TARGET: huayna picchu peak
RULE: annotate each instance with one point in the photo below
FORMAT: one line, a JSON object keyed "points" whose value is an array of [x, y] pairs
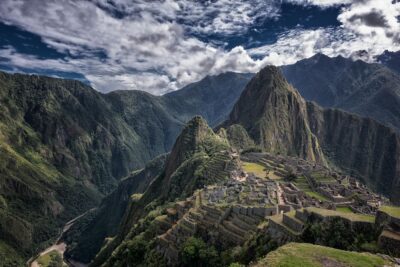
{"points": [[215, 133], [275, 116]]}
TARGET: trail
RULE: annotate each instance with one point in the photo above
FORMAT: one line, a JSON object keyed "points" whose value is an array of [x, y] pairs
{"points": [[60, 246]]}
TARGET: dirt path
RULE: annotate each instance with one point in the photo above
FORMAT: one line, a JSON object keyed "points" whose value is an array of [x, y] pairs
{"points": [[61, 246]]}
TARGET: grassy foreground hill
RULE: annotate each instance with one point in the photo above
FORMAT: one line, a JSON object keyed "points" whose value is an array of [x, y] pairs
{"points": [[308, 255]]}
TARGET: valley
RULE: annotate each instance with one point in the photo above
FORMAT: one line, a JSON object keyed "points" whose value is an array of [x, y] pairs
{"points": [[158, 180], [217, 133]]}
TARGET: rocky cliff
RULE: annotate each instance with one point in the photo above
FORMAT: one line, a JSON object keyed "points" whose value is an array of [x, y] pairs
{"points": [[275, 116]]}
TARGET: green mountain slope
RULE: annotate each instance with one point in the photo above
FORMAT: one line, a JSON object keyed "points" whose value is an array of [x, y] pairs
{"points": [[64, 145], [199, 157], [275, 116], [369, 90], [86, 237]]}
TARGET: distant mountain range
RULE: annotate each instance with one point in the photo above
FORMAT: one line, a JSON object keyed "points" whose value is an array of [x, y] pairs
{"points": [[369, 90]]}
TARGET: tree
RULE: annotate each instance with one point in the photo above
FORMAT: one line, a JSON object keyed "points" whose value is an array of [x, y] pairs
{"points": [[195, 252]]}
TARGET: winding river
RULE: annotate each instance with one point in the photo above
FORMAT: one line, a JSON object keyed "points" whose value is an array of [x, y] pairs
{"points": [[59, 246]]}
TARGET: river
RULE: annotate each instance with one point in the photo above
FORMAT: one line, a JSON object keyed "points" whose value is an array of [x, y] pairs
{"points": [[59, 246]]}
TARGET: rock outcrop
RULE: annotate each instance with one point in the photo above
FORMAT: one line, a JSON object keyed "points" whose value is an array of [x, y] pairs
{"points": [[275, 116]]}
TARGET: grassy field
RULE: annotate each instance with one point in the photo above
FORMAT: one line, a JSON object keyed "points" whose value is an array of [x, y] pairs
{"points": [[321, 177], [344, 209], [347, 215], [316, 195], [302, 184], [53, 258], [308, 255], [392, 211], [256, 168]]}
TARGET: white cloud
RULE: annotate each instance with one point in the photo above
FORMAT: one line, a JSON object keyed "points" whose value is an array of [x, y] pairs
{"points": [[144, 40], [147, 46]]}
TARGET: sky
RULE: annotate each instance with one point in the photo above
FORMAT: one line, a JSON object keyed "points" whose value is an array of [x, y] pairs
{"points": [[162, 45]]}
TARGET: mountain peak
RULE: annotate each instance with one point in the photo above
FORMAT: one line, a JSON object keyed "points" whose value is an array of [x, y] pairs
{"points": [[196, 137], [274, 115]]}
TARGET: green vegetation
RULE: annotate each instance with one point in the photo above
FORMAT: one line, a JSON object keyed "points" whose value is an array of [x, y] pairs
{"points": [[347, 215], [290, 177], [302, 183], [308, 255], [391, 210], [10, 257], [316, 195], [195, 252], [344, 209], [256, 168], [51, 259], [239, 138], [339, 233]]}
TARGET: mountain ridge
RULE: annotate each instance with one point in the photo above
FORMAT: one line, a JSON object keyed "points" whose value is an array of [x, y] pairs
{"points": [[365, 89]]}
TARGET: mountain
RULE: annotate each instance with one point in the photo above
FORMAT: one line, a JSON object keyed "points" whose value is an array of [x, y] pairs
{"points": [[390, 60], [86, 237], [65, 145], [275, 116], [212, 98], [278, 119], [199, 157], [369, 90]]}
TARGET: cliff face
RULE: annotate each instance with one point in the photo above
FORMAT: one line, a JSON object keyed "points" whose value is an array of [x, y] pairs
{"points": [[279, 120], [360, 145], [275, 116], [86, 237], [369, 90]]}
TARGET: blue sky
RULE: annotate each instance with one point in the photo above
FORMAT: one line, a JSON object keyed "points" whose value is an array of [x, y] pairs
{"points": [[162, 45]]}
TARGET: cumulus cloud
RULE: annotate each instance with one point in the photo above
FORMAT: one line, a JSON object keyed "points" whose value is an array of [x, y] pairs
{"points": [[157, 45], [144, 48], [368, 29]]}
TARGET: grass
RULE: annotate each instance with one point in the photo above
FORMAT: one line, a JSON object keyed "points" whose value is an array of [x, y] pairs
{"points": [[391, 210], [308, 255], [347, 215], [317, 195], [344, 209], [321, 177], [50, 258], [302, 183], [256, 168]]}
